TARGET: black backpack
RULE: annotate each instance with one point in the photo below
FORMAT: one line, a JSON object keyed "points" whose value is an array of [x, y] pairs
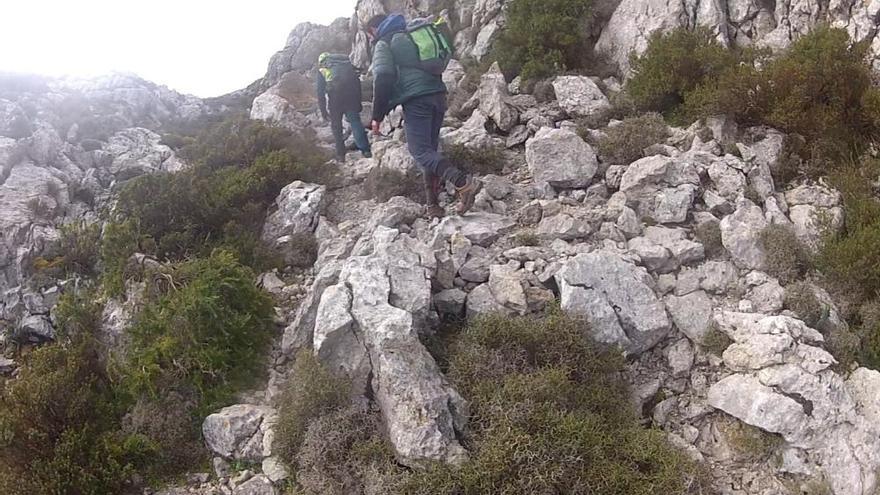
{"points": [[337, 71]]}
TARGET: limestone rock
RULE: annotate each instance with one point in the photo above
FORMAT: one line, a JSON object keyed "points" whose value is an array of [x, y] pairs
{"points": [[298, 206], [258, 485], [692, 314], [615, 297], [579, 96], [561, 158], [741, 236], [493, 97], [661, 188], [235, 431]]}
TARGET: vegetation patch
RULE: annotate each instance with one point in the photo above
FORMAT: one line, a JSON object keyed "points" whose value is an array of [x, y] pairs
{"points": [[544, 37], [383, 184], [787, 258], [625, 142], [479, 161], [709, 235]]}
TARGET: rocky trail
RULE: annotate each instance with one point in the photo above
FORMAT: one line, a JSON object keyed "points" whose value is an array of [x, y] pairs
{"points": [[710, 346]]}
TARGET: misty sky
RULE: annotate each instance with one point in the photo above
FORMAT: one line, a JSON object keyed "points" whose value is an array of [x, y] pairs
{"points": [[201, 47]]}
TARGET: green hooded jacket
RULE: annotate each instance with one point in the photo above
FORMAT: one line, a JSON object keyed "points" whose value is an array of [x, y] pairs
{"points": [[396, 76]]}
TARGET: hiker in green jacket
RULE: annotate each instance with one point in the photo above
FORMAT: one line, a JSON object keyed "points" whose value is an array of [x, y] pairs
{"points": [[403, 75], [337, 80]]}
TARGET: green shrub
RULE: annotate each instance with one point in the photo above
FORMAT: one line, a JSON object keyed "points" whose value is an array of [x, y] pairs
{"points": [[709, 235], [383, 184], [57, 423], [80, 248], [549, 414], [339, 450], [238, 141], [715, 340], [673, 66], [543, 37], [479, 161], [625, 142], [787, 258], [190, 213], [204, 335], [312, 392], [527, 238], [750, 442], [801, 299]]}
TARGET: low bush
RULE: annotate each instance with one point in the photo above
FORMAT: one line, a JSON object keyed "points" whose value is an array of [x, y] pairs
{"points": [[625, 142], [750, 442], [80, 248], [787, 258], [57, 425], [544, 37], [479, 161], [203, 336], [673, 66], [549, 414], [312, 392], [709, 235], [800, 298], [383, 184]]}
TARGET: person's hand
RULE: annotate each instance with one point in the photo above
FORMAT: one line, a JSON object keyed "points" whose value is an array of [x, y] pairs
{"points": [[375, 126]]}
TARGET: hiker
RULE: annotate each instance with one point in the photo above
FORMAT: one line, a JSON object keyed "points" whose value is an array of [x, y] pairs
{"points": [[338, 81], [408, 63]]}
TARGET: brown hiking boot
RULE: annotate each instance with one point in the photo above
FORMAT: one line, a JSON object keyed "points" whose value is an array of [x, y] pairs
{"points": [[467, 194]]}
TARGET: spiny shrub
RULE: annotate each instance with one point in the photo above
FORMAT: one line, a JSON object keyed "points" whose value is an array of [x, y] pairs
{"points": [[238, 141], [787, 258], [709, 235], [849, 260], [543, 37], [480, 161], [191, 212], [80, 248], [313, 392], [801, 299], [625, 142], [340, 450], [673, 66], [57, 425], [549, 414], [383, 184], [203, 336]]}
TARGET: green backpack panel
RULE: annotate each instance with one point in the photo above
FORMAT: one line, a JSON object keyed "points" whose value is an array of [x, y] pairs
{"points": [[433, 44]]}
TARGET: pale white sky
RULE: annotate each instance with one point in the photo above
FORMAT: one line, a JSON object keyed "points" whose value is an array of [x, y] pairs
{"points": [[201, 47]]}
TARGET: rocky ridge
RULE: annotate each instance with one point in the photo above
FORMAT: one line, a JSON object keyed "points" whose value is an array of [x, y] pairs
{"points": [[617, 244]]}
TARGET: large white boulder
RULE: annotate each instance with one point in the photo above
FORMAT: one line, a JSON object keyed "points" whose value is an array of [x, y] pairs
{"points": [[562, 158]]}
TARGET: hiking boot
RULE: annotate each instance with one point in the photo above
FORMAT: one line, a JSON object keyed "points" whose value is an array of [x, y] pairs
{"points": [[340, 158], [436, 211], [467, 194], [367, 154]]}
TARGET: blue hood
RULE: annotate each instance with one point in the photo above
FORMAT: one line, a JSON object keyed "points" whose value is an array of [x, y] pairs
{"points": [[395, 23]]}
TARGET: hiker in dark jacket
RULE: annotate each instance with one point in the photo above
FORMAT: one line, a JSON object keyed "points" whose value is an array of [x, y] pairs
{"points": [[338, 81], [400, 80]]}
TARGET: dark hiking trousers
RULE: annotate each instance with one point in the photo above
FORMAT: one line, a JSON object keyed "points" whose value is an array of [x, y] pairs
{"points": [[423, 117], [357, 131]]}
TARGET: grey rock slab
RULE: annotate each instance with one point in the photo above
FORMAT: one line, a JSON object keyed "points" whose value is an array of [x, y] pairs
{"points": [[479, 228], [562, 158], [741, 236], [579, 96], [692, 314], [298, 208], [615, 296]]}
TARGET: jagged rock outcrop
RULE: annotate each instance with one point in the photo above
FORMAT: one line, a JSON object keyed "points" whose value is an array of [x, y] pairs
{"points": [[783, 383], [734, 22], [367, 327], [304, 44]]}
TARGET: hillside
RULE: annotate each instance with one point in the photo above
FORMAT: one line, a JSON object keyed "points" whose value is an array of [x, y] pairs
{"points": [[669, 283]]}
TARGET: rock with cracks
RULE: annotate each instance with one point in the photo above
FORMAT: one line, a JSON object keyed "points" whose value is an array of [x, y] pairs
{"points": [[367, 326], [615, 297]]}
